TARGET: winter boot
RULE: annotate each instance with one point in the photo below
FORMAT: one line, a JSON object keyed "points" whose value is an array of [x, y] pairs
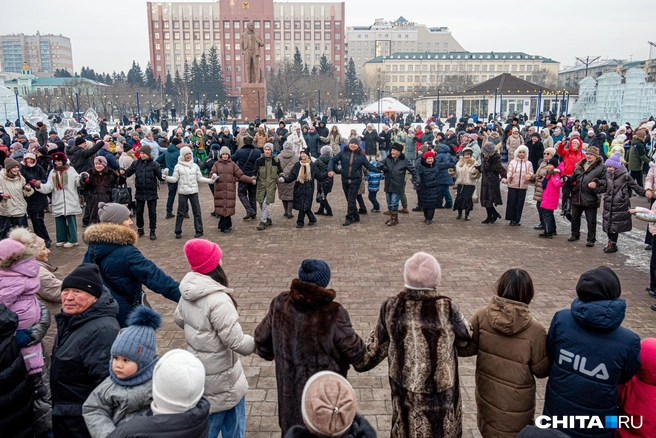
{"points": [[404, 210], [394, 219], [140, 232], [153, 236], [268, 222], [261, 226]]}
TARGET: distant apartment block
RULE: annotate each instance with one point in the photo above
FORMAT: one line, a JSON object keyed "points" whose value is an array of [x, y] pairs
{"points": [[44, 53]]}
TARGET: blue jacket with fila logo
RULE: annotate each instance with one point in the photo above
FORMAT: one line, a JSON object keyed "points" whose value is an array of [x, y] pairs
{"points": [[592, 354]]}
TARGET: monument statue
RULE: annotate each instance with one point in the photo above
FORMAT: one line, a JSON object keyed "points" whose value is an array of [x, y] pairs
{"points": [[250, 47]]}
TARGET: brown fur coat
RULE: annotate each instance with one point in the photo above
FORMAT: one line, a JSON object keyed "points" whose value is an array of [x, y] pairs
{"points": [[305, 331], [418, 331]]}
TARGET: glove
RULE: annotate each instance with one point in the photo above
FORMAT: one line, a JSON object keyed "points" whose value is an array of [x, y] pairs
{"points": [[32, 182], [23, 337]]}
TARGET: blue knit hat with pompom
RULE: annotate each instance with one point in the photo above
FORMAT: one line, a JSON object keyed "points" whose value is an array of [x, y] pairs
{"points": [[137, 342], [314, 271]]}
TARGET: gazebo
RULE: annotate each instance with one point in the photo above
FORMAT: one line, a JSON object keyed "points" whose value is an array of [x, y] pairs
{"points": [[502, 95]]}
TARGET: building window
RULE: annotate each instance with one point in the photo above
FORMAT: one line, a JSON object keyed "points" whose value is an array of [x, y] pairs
{"points": [[276, 25], [307, 57], [238, 78], [155, 24], [158, 57], [167, 57], [477, 68], [228, 67], [196, 46], [185, 25], [237, 35], [297, 24], [188, 58], [166, 25], [267, 35], [308, 35], [237, 57], [206, 35], [217, 24], [288, 35], [206, 24], [227, 47], [236, 25], [317, 35], [317, 57], [484, 68], [317, 47], [529, 68], [256, 24], [157, 46], [326, 24], [297, 35], [158, 68], [267, 57], [288, 25], [226, 36], [186, 35], [276, 35], [267, 24], [307, 25], [196, 35], [337, 68], [238, 68], [338, 25], [227, 57], [178, 58], [228, 78], [167, 46], [317, 24], [156, 35], [177, 46], [514, 68], [237, 46], [267, 46], [217, 36], [326, 35], [176, 35], [226, 24], [167, 36], [410, 78], [338, 36], [176, 25]]}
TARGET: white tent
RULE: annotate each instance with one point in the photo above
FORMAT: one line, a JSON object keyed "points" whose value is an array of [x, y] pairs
{"points": [[386, 105]]}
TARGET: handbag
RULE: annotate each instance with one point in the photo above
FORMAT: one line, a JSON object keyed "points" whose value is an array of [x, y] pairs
{"points": [[121, 194], [321, 196], [475, 196]]}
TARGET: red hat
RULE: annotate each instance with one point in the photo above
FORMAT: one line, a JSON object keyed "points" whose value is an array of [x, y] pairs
{"points": [[429, 154], [59, 156], [203, 256]]}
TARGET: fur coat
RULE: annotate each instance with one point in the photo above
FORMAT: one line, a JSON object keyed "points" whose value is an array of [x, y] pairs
{"points": [[305, 331], [418, 331]]}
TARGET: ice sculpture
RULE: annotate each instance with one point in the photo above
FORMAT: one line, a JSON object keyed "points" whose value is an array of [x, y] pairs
{"points": [[91, 121], [68, 126], [35, 115], [609, 99], [8, 105]]}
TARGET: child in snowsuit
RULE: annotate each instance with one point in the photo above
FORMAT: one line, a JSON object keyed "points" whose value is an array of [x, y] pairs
{"points": [[127, 392], [550, 196], [373, 186]]}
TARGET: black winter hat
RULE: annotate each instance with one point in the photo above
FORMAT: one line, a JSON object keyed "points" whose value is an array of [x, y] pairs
{"points": [[79, 141], [397, 146], [85, 277], [553, 162], [598, 284], [176, 141]]}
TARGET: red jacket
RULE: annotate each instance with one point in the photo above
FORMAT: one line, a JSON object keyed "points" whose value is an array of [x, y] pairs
{"points": [[638, 396], [570, 156]]}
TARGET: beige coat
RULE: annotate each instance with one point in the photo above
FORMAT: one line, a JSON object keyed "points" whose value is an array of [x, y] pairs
{"points": [[466, 172], [16, 206], [211, 326], [512, 143], [335, 141], [537, 178]]}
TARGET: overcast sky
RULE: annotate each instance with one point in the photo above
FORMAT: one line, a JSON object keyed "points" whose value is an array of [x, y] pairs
{"points": [[108, 34]]}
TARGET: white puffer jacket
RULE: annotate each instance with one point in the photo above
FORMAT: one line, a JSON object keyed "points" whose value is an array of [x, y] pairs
{"points": [[187, 174], [65, 202], [211, 325]]}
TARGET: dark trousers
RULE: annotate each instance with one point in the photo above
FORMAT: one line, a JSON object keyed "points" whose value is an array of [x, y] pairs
{"points": [[324, 206], [648, 236], [492, 212], [637, 176], [287, 205], [351, 193], [613, 237], [373, 200], [361, 203], [86, 217], [152, 213], [38, 223], [549, 221], [446, 195], [652, 269], [183, 207], [173, 190], [429, 213], [247, 193], [590, 218], [515, 206], [225, 222], [537, 205], [9, 222], [566, 200], [301, 217]]}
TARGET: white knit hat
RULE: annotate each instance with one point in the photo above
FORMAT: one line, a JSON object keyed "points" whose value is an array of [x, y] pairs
{"points": [[521, 148], [178, 382]]}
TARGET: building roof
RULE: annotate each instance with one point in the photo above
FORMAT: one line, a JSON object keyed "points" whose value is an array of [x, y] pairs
{"points": [[462, 56], [632, 64], [401, 19], [55, 82], [506, 84], [596, 64]]}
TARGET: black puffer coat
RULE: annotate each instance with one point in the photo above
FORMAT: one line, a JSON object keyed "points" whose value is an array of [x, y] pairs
{"points": [[351, 170], [394, 170], [190, 424], [582, 195], [15, 389], [304, 193], [80, 158], [370, 141], [617, 203], [146, 174], [360, 428], [38, 201], [429, 185], [80, 361], [385, 141], [327, 184], [491, 173], [100, 187]]}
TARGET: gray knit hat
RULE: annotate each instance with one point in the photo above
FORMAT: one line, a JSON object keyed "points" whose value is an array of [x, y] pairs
{"points": [[326, 150], [112, 213], [224, 150], [488, 148]]}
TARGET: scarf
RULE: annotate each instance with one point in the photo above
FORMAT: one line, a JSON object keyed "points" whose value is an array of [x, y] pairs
{"points": [[305, 175], [61, 177]]}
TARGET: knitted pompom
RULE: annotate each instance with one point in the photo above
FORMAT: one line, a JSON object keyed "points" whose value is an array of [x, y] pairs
{"points": [[145, 316]]}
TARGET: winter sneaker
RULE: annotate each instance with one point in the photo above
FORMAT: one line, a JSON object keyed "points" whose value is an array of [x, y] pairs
{"points": [[417, 208], [648, 248], [428, 221], [197, 235], [70, 244], [178, 236], [611, 248], [589, 244], [546, 235], [140, 232], [653, 307], [459, 215], [539, 227], [362, 211], [299, 225], [153, 236], [652, 292], [404, 210], [268, 222], [261, 226], [375, 210], [467, 217], [319, 212], [311, 223], [573, 238], [170, 215], [59, 244]]}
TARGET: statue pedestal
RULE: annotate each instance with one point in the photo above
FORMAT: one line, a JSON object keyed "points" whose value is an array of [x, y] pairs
{"points": [[253, 101]]}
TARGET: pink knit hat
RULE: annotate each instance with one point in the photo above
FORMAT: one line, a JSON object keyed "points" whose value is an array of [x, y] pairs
{"points": [[422, 271], [203, 256]]}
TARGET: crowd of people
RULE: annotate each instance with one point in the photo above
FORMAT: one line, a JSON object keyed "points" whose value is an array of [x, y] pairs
{"points": [[105, 378]]}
